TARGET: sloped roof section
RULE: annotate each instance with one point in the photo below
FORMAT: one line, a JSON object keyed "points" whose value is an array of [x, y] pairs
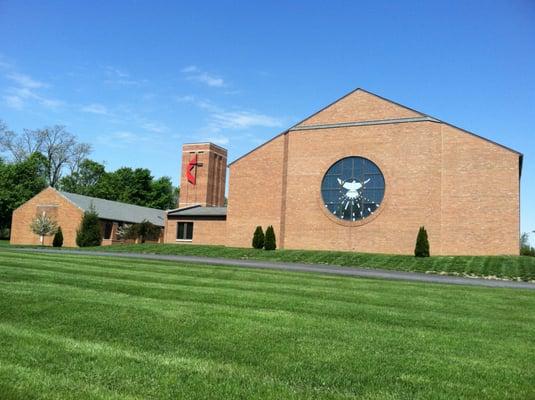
{"points": [[117, 211], [199, 211], [357, 106], [360, 108]]}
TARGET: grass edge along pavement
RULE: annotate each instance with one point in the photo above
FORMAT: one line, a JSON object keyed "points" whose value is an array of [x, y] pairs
{"points": [[112, 328], [498, 267], [519, 268]]}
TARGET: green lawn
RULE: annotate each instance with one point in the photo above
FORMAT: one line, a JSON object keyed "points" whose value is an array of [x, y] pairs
{"points": [[511, 267], [74, 327]]}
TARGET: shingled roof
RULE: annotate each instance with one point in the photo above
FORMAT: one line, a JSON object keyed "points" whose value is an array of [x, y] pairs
{"points": [[115, 210]]}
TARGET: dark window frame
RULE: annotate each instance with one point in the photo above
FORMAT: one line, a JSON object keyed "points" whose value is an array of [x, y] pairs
{"points": [[184, 231]]}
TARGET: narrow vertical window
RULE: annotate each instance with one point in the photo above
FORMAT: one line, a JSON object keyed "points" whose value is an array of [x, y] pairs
{"points": [[107, 230]]}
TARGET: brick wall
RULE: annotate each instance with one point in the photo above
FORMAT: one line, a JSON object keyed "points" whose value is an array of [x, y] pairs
{"points": [[204, 231], [480, 196], [255, 192], [67, 215], [409, 158]]}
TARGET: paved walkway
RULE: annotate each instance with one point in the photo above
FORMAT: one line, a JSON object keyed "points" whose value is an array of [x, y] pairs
{"points": [[317, 268]]}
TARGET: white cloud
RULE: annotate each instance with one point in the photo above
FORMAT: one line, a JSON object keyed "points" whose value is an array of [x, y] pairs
{"points": [[155, 127], [116, 72], [244, 120], [190, 68], [209, 80], [217, 139], [14, 101], [219, 119], [117, 76], [185, 99], [120, 138], [125, 136], [25, 81], [193, 73], [95, 108], [17, 97]]}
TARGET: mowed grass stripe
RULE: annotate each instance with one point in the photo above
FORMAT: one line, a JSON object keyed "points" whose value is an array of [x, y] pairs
{"points": [[413, 302], [259, 278], [233, 337], [364, 312], [410, 302]]}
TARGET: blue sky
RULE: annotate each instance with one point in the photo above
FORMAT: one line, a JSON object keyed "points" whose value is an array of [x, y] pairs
{"points": [[137, 79]]}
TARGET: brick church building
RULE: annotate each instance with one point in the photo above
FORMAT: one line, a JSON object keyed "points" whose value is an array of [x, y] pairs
{"points": [[362, 174]]}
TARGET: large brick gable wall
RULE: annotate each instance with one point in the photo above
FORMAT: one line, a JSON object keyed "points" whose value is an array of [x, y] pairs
{"points": [[463, 188]]}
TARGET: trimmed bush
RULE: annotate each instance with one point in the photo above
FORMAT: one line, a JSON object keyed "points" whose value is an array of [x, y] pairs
{"points": [[270, 242], [89, 233], [258, 238], [422, 243], [58, 238]]}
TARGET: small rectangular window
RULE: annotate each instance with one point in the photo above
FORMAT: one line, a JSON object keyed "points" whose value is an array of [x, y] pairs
{"points": [[184, 231]]}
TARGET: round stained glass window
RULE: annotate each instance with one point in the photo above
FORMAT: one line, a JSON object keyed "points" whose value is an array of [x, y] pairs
{"points": [[353, 188]]}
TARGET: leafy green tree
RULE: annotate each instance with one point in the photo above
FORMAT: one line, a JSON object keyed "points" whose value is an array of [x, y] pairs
{"points": [[58, 238], [89, 233], [270, 242], [43, 225], [422, 243], [127, 185], [19, 182], [85, 179], [258, 238], [162, 194]]}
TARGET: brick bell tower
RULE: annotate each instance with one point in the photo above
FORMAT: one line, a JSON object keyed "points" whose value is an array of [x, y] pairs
{"points": [[203, 176]]}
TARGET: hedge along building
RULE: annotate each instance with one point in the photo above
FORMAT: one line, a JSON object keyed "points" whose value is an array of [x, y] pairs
{"points": [[362, 174], [67, 210]]}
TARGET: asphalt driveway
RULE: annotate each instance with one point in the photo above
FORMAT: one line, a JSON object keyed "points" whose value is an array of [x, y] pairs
{"points": [[313, 268]]}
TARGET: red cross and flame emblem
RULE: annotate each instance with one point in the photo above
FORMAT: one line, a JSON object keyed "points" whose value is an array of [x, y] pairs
{"points": [[192, 165]]}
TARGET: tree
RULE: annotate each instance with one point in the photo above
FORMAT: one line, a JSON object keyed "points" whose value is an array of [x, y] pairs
{"points": [[132, 186], [85, 179], [422, 243], [58, 238], [162, 194], [89, 233], [43, 225], [258, 238], [142, 231], [19, 182], [525, 248], [60, 148], [270, 242]]}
